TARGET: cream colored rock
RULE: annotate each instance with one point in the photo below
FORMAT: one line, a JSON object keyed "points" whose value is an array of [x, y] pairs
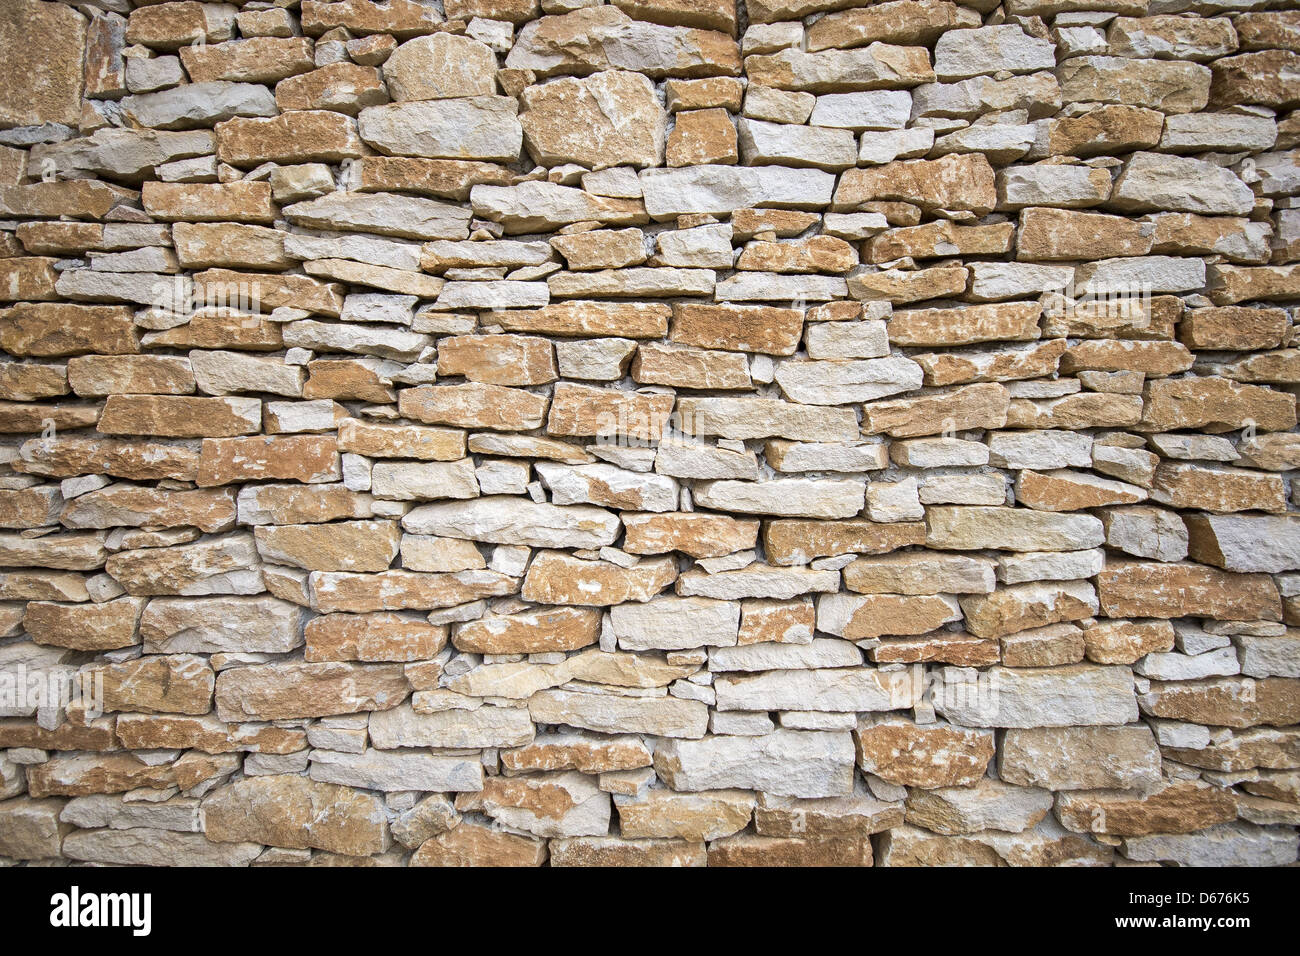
{"points": [[502, 519], [1080, 758], [1072, 695], [564, 804], [668, 717], [923, 756], [440, 66], [849, 689], [673, 623], [607, 119], [297, 813], [664, 814], [806, 764], [798, 497]]}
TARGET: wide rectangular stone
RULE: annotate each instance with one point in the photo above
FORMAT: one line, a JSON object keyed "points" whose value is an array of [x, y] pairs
{"points": [[1080, 758], [288, 691], [397, 770], [1226, 701], [1166, 590], [1010, 529], [1072, 695], [669, 717], [720, 189], [805, 764], [800, 542], [840, 689]]}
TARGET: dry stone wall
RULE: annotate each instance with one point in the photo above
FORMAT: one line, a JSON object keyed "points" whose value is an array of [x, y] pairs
{"points": [[655, 432]]}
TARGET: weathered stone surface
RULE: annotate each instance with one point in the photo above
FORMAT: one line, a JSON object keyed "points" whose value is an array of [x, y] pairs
{"points": [[230, 624], [1124, 642], [77, 775], [473, 127], [296, 812], [879, 65], [1216, 405], [1155, 181], [57, 329], [1171, 87], [1253, 543], [720, 189], [911, 23], [294, 690], [380, 770], [86, 627], [756, 580], [755, 328], [532, 206], [675, 624], [1109, 128], [148, 846], [699, 535], [511, 521], [584, 411], [844, 382], [474, 405], [1226, 701], [785, 496], [663, 814], [29, 829], [587, 753], [549, 805], [226, 565], [1016, 321], [440, 66], [858, 813], [805, 764], [702, 137], [1141, 589], [749, 851], [532, 632], [923, 756], [471, 844], [1075, 694], [742, 418], [607, 119], [485, 727], [1263, 77], [819, 689], [975, 406], [628, 401], [1230, 844], [990, 805], [167, 683], [668, 717], [555, 577], [46, 82], [952, 182], [1178, 807], [402, 590], [371, 638], [799, 542], [607, 38], [1080, 758], [876, 615], [973, 528], [920, 573], [294, 137]]}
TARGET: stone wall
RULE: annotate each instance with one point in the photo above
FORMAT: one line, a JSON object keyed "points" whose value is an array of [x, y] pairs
{"points": [[663, 431]]}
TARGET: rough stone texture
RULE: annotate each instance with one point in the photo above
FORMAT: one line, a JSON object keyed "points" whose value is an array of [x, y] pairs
{"points": [[655, 432]]}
